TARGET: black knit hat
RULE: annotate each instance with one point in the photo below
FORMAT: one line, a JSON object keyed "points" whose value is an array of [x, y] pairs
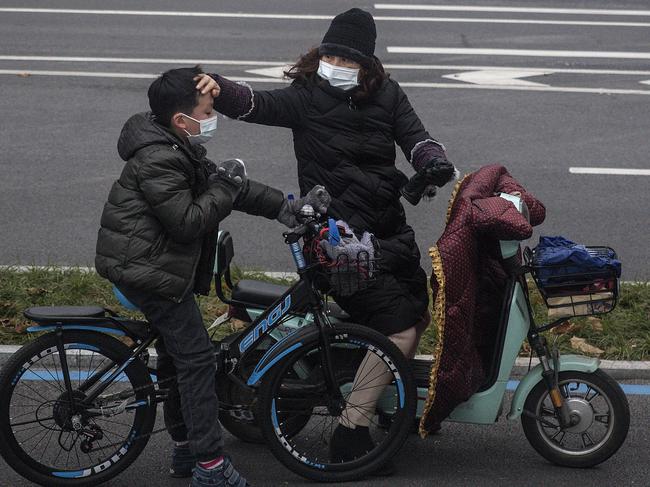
{"points": [[352, 35]]}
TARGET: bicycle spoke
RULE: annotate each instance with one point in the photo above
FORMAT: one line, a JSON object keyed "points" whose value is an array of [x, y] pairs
{"points": [[37, 420]]}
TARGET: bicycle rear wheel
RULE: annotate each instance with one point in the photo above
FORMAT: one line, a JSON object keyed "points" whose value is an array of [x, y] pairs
{"points": [[55, 441], [298, 415]]}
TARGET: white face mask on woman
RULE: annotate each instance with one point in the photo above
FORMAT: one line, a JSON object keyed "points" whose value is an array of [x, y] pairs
{"points": [[208, 129], [344, 78]]}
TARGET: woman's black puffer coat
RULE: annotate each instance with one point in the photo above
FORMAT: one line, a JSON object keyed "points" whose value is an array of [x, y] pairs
{"points": [[350, 149]]}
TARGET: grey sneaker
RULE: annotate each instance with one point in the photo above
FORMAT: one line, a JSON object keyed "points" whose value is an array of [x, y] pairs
{"points": [[224, 475], [183, 462]]}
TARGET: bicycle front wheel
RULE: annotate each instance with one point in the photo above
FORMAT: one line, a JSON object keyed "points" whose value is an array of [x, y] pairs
{"points": [[53, 439], [375, 389]]}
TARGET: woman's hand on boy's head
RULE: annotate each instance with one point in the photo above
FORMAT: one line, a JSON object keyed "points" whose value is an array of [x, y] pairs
{"points": [[207, 85]]}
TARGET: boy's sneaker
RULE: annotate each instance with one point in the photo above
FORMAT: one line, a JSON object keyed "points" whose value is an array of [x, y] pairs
{"points": [[224, 475], [183, 462]]}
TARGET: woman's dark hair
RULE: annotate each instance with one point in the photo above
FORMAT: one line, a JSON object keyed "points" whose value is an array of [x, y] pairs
{"points": [[172, 92], [370, 76]]}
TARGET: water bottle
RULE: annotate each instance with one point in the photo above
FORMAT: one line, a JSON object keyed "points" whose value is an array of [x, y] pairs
{"points": [[298, 258], [296, 251]]}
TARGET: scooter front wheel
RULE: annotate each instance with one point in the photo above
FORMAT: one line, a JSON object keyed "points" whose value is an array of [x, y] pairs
{"points": [[600, 415]]}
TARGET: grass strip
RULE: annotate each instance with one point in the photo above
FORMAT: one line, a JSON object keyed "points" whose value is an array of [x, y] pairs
{"points": [[623, 334]]}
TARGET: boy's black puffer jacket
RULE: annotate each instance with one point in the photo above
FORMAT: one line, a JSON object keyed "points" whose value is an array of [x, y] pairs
{"points": [[159, 226]]}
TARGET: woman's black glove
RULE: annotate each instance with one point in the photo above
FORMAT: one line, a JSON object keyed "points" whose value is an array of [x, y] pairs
{"points": [[438, 171], [435, 173]]}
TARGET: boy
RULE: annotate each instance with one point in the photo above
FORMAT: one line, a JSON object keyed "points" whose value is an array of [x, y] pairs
{"points": [[157, 244]]}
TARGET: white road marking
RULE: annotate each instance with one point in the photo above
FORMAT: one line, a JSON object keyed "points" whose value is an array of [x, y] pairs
{"points": [[646, 82], [247, 62], [84, 59], [164, 13], [242, 15], [95, 74], [614, 171], [408, 84], [498, 77], [519, 52], [275, 72], [535, 10], [555, 89]]}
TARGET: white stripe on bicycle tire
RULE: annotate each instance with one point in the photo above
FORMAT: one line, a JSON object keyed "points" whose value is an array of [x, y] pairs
{"points": [[519, 52], [253, 15], [532, 10], [611, 171]]}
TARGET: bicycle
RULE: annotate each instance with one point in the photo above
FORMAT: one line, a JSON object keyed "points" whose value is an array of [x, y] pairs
{"points": [[79, 405]]}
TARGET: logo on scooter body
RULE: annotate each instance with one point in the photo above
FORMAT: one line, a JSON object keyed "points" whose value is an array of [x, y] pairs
{"points": [[268, 323]]}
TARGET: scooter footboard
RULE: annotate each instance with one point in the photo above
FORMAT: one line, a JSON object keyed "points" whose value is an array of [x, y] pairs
{"points": [[567, 362]]}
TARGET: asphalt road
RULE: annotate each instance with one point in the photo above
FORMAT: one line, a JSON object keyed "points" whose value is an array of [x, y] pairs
{"points": [[84, 74], [461, 455]]}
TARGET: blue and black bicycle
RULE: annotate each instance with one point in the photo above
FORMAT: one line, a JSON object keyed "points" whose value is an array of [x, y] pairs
{"points": [[79, 405]]}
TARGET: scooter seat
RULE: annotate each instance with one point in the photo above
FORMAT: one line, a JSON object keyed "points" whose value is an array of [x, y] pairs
{"points": [[53, 314], [258, 293]]}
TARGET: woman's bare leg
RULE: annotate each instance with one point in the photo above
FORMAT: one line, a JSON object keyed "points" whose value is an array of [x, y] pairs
{"points": [[373, 375]]}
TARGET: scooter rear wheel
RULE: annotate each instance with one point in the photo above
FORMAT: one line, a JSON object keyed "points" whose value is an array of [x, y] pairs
{"points": [[600, 409]]}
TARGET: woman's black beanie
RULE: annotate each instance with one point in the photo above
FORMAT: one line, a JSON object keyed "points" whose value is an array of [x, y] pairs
{"points": [[352, 35]]}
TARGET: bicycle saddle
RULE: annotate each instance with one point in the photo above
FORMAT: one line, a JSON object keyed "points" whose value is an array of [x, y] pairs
{"points": [[259, 293], [49, 314]]}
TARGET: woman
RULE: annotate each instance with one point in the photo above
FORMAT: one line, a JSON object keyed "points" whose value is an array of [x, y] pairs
{"points": [[346, 115]]}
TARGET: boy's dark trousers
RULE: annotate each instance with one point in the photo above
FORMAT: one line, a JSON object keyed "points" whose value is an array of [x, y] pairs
{"points": [[186, 366]]}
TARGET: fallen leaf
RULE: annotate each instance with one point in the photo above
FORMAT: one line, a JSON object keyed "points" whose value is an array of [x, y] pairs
{"points": [[21, 327], [595, 323], [236, 325], [581, 345], [24, 75], [566, 327], [36, 291]]}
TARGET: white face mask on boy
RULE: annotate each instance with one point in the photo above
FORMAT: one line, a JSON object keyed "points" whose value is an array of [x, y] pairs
{"points": [[208, 129], [344, 78]]}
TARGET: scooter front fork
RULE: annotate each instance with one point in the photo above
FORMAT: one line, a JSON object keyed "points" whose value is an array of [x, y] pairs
{"points": [[549, 375]]}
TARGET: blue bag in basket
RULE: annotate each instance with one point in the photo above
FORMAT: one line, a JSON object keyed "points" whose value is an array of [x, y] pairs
{"points": [[562, 256]]}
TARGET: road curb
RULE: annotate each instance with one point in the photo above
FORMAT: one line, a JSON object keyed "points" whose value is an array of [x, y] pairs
{"points": [[618, 369]]}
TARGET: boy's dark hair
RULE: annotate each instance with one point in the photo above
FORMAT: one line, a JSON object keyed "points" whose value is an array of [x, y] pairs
{"points": [[172, 92]]}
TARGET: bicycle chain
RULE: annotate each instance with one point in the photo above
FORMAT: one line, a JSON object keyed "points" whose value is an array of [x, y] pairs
{"points": [[159, 430]]}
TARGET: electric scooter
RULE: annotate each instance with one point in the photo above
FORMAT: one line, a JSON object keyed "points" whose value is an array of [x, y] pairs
{"points": [[572, 412]]}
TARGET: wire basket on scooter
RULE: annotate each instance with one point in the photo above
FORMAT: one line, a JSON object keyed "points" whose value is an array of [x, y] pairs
{"points": [[347, 276], [571, 289]]}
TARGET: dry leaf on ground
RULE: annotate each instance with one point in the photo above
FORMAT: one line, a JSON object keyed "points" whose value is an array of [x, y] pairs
{"points": [[581, 345], [566, 327], [21, 327], [595, 323], [236, 325]]}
